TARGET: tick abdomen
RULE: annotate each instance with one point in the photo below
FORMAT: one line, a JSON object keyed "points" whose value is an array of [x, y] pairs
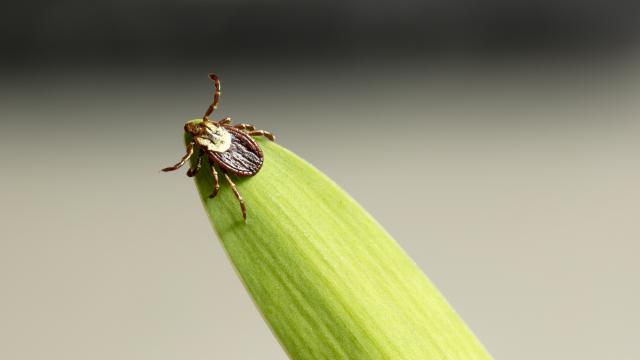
{"points": [[243, 157]]}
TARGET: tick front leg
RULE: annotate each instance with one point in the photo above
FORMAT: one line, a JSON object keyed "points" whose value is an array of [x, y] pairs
{"points": [[238, 196], [225, 121], [216, 97], [264, 133], [216, 183], [194, 170], [183, 160], [243, 126]]}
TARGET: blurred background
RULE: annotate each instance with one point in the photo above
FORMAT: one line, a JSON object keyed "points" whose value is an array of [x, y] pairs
{"points": [[511, 125]]}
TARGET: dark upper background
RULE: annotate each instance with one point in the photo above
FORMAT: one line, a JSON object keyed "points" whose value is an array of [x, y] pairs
{"points": [[164, 31]]}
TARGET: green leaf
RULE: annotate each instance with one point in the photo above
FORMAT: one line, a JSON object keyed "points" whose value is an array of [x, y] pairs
{"points": [[329, 281]]}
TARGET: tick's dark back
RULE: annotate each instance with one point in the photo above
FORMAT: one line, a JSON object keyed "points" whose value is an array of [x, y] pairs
{"points": [[244, 157]]}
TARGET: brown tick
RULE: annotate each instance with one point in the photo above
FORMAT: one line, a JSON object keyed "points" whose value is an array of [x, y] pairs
{"points": [[230, 147]]}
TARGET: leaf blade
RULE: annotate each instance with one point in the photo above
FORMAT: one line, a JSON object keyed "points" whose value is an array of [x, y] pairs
{"points": [[327, 278]]}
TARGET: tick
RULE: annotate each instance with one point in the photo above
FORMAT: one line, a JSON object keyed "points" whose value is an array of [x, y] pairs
{"points": [[229, 147]]}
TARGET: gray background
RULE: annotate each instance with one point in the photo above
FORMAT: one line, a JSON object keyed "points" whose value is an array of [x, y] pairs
{"points": [[508, 172]]}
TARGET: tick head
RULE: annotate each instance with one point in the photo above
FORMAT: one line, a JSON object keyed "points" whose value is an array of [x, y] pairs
{"points": [[194, 129]]}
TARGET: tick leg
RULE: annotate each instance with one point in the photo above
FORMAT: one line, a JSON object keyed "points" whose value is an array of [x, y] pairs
{"points": [[225, 121], [264, 133], [194, 170], [238, 196], [248, 127], [216, 97], [216, 184], [183, 160]]}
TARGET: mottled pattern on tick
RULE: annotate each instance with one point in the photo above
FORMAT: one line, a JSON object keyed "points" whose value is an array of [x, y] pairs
{"points": [[244, 157], [215, 138]]}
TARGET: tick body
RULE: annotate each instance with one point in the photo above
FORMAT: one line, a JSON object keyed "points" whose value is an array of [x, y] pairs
{"points": [[229, 147]]}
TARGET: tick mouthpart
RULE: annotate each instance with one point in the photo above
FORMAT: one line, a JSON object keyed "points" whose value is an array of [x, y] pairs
{"points": [[193, 128]]}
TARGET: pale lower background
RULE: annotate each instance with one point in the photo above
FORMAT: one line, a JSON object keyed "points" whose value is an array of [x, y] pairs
{"points": [[515, 188]]}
